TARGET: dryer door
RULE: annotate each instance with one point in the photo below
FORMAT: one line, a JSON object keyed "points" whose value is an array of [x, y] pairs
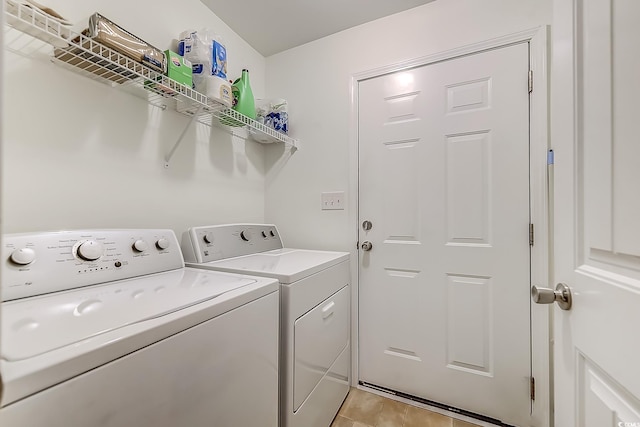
{"points": [[320, 335]]}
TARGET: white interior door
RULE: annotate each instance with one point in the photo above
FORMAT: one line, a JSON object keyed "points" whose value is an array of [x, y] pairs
{"points": [[597, 211], [444, 180]]}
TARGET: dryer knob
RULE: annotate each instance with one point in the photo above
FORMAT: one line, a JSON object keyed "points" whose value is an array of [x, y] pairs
{"points": [[246, 235], [23, 256], [208, 237], [90, 250], [140, 245], [264, 234], [272, 233], [162, 244]]}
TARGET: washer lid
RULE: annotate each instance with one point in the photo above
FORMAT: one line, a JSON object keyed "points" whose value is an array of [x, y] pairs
{"points": [[286, 265], [37, 325]]}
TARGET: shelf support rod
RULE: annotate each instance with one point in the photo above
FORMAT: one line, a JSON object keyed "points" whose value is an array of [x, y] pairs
{"points": [[168, 157]]}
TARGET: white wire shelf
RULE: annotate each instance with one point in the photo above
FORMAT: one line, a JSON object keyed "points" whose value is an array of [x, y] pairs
{"points": [[32, 33]]}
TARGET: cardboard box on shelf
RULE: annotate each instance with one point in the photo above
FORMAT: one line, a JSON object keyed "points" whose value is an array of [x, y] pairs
{"points": [[179, 69]]}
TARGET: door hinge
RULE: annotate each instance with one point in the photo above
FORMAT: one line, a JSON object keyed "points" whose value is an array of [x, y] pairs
{"points": [[531, 235], [532, 388], [530, 81]]}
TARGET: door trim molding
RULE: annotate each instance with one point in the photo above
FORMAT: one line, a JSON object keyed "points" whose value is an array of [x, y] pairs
{"points": [[541, 252], [498, 42]]}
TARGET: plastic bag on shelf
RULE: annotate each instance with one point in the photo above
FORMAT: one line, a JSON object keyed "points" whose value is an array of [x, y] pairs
{"points": [[207, 54], [273, 113]]}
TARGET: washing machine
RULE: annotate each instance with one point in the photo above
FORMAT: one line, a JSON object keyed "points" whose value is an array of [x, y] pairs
{"points": [[107, 328], [314, 312]]}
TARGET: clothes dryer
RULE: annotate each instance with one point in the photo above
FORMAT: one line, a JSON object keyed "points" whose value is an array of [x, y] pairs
{"points": [[314, 312]]}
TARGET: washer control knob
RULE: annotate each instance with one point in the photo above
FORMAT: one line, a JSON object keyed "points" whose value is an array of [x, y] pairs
{"points": [[162, 243], [23, 256], [264, 234], [272, 233], [208, 237], [90, 250], [246, 235], [140, 245]]}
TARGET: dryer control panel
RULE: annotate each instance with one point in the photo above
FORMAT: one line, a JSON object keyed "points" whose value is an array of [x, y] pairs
{"points": [[216, 242], [40, 263]]}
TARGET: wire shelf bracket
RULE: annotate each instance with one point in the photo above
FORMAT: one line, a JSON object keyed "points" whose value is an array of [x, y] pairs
{"points": [[168, 157]]}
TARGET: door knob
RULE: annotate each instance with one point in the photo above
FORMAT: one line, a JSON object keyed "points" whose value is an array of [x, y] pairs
{"points": [[562, 295], [366, 246]]}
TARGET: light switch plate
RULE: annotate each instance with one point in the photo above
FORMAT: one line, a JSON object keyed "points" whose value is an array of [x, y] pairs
{"points": [[334, 200]]}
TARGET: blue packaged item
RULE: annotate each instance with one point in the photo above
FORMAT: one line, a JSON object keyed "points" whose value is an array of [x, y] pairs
{"points": [[219, 55], [277, 120], [186, 42], [273, 113]]}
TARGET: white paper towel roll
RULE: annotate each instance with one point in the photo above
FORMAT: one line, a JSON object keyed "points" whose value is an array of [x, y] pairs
{"points": [[219, 89]]}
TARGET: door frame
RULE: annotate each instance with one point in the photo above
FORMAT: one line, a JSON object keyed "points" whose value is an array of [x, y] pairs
{"points": [[1, 133], [541, 253]]}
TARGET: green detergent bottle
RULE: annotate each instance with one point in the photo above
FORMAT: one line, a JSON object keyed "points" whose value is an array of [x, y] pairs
{"points": [[243, 101]]}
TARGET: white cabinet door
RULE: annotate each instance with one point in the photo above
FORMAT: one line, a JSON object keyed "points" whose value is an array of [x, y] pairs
{"points": [[596, 67], [444, 180]]}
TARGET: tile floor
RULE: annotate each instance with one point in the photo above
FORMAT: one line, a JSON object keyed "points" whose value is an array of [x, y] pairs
{"points": [[363, 409]]}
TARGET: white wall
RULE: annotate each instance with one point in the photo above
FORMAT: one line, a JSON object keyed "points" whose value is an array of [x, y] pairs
{"points": [[315, 79], [80, 154]]}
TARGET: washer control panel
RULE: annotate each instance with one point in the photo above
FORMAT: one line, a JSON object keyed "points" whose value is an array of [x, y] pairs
{"points": [[40, 263], [216, 242]]}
